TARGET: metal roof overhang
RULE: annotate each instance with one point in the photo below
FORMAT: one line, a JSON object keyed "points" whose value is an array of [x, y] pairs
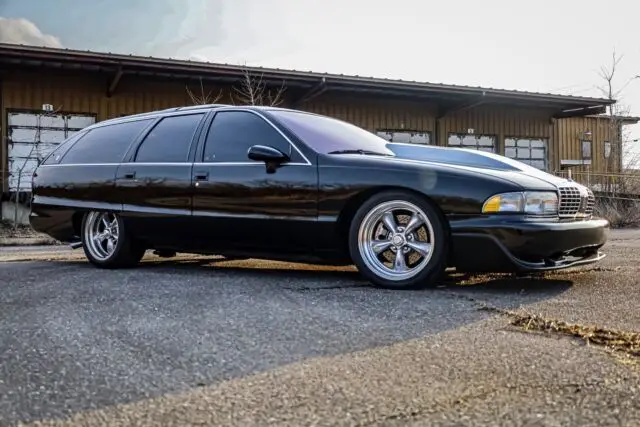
{"points": [[449, 97]]}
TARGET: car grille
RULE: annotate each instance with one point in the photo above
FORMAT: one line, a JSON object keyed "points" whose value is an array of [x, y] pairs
{"points": [[575, 202]]}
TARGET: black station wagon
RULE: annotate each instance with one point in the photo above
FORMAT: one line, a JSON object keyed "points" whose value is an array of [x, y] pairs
{"points": [[272, 183]]}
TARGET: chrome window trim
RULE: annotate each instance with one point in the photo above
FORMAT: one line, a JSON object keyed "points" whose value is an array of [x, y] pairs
{"points": [[160, 115], [78, 164], [256, 163]]}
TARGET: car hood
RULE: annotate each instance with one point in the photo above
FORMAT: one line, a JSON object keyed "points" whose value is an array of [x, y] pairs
{"points": [[485, 162]]}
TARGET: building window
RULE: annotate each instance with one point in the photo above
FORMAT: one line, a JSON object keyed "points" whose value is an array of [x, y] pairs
{"points": [[405, 136], [586, 149], [532, 151], [607, 149], [473, 142]]}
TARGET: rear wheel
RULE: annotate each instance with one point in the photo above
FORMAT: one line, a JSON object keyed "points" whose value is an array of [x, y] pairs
{"points": [[106, 242], [398, 240]]}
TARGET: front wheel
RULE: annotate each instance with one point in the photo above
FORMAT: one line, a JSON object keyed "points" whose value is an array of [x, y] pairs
{"points": [[398, 240], [106, 242]]}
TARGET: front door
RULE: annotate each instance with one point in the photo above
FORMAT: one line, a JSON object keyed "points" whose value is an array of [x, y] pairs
{"points": [[238, 203], [155, 184]]}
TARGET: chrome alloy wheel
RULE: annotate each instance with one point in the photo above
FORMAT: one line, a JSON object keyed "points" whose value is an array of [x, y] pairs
{"points": [[102, 231], [396, 240]]}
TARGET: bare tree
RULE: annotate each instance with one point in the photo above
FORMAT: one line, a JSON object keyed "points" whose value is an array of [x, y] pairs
{"points": [[253, 90], [620, 144], [202, 98], [19, 182], [615, 204]]}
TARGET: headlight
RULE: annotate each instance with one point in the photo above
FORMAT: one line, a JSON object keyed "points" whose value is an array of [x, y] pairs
{"points": [[529, 202]]}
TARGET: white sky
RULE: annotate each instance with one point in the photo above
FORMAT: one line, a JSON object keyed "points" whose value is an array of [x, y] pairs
{"points": [[543, 45]]}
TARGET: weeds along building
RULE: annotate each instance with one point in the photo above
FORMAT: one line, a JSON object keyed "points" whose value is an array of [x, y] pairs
{"points": [[47, 94]]}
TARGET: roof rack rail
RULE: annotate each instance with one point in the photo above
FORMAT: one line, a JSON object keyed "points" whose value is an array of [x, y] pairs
{"points": [[203, 106]]}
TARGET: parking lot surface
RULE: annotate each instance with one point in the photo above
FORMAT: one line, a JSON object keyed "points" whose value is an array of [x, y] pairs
{"points": [[197, 340]]}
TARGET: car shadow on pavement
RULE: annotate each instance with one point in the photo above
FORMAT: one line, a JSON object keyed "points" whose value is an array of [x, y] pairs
{"points": [[76, 330], [347, 277], [506, 284], [506, 292], [257, 268]]}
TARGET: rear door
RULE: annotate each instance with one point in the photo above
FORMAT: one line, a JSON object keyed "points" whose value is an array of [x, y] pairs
{"points": [[155, 181]]}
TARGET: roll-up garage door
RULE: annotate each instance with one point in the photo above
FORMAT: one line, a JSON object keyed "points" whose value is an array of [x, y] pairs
{"points": [[31, 136]]}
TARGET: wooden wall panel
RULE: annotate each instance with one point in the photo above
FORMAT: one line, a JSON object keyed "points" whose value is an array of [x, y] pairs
{"points": [[571, 131], [373, 114]]}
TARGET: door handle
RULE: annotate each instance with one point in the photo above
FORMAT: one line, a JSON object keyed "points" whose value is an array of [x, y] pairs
{"points": [[202, 176], [130, 175]]}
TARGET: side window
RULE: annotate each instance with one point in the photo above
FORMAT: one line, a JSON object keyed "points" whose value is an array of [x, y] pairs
{"points": [[233, 132], [107, 144], [56, 155], [169, 140]]}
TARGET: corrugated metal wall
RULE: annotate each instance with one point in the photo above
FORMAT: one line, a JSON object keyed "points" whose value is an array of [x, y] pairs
{"points": [[501, 122], [572, 131], [374, 114], [82, 92]]}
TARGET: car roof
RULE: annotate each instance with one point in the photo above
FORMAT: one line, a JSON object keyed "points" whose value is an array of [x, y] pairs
{"points": [[190, 108]]}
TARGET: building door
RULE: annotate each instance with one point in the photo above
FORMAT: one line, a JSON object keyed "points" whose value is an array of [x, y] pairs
{"points": [[473, 142], [31, 136], [405, 136], [532, 151]]}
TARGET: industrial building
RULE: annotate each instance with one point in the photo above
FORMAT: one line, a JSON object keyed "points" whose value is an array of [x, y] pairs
{"points": [[47, 94]]}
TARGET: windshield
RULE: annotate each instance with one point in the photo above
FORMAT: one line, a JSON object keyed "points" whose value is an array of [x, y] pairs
{"points": [[328, 136]]}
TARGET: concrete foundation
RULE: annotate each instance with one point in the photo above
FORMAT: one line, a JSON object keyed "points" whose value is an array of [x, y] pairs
{"points": [[9, 212]]}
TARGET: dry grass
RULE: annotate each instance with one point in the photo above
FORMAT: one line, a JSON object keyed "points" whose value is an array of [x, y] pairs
{"points": [[623, 343], [620, 341], [621, 213], [9, 229], [22, 235]]}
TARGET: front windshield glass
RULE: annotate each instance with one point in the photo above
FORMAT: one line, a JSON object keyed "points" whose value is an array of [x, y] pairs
{"points": [[327, 136]]}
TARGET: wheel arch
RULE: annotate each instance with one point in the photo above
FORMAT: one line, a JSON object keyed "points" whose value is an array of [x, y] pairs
{"points": [[76, 221], [351, 207]]}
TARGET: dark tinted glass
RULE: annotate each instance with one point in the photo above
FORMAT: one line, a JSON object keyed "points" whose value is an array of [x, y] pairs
{"points": [[233, 132], [326, 135], [57, 153], [107, 144], [169, 140]]}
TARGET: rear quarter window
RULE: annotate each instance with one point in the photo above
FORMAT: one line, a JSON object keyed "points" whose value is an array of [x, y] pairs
{"points": [[56, 155], [105, 144]]}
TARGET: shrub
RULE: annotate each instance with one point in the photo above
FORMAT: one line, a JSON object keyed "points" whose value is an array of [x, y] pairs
{"points": [[621, 212]]}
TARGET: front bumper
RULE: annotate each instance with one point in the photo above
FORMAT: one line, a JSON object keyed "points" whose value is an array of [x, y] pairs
{"points": [[501, 244]]}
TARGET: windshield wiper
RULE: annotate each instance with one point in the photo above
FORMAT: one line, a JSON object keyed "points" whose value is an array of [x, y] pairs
{"points": [[375, 153]]}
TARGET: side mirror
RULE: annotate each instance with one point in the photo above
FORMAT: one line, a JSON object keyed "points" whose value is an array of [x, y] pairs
{"points": [[264, 153]]}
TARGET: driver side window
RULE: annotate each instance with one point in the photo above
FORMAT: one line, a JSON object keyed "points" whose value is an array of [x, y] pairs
{"points": [[232, 133]]}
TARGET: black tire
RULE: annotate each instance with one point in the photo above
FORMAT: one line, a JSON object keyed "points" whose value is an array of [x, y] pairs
{"points": [[432, 270], [126, 253]]}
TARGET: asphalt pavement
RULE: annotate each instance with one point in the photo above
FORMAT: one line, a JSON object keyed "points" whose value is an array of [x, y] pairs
{"points": [[201, 341]]}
